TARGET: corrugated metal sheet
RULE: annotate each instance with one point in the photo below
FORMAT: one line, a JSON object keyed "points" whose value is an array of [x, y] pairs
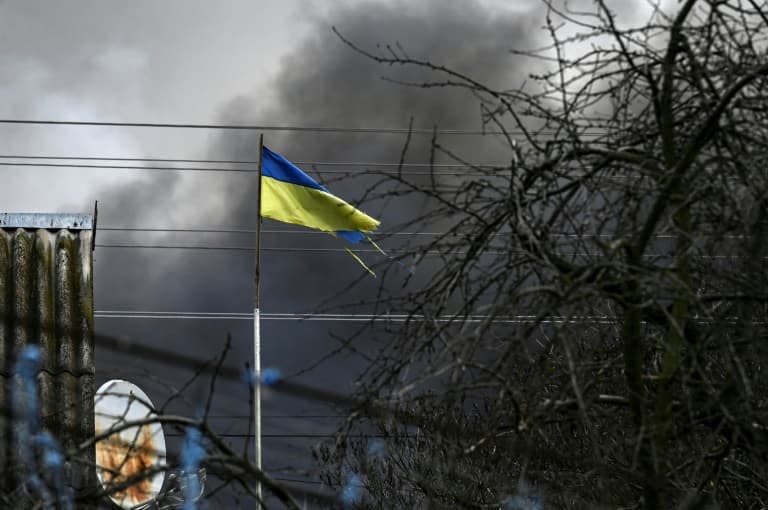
{"points": [[46, 298]]}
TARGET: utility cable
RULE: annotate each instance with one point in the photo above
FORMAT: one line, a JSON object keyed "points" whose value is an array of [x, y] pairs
{"points": [[433, 252], [338, 317], [237, 248], [266, 127], [252, 162], [586, 236], [253, 231], [231, 170]]}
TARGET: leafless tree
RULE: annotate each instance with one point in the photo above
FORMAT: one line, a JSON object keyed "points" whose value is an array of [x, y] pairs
{"points": [[592, 332]]}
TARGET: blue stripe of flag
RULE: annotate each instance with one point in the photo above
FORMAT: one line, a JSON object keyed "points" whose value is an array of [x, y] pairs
{"points": [[275, 166]]}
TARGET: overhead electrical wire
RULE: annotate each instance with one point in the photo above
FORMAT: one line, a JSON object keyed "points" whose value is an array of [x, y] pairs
{"points": [[250, 162], [335, 317], [254, 127], [363, 317], [238, 230], [253, 231], [128, 167], [233, 170], [231, 435], [267, 127], [244, 248], [291, 249], [390, 251], [275, 416]]}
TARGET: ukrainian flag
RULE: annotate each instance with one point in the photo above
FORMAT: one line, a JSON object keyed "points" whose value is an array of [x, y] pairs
{"points": [[291, 196]]}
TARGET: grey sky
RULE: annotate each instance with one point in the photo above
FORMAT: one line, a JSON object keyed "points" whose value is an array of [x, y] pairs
{"points": [[144, 60], [171, 61]]}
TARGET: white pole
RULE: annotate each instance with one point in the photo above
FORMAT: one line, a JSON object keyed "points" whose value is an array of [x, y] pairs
{"points": [[257, 396], [257, 337]]}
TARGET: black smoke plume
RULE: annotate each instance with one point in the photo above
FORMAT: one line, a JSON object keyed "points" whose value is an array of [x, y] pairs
{"points": [[323, 83]]}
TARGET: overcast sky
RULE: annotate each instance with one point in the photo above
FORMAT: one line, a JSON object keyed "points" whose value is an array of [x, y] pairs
{"points": [[174, 61], [240, 62]]}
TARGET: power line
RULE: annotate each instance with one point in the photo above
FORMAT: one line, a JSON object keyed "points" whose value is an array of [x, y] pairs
{"points": [[130, 167], [250, 127], [238, 248], [231, 170], [253, 231], [286, 249], [130, 159], [235, 435], [277, 416], [289, 249], [252, 162], [204, 230], [414, 251], [585, 236], [266, 127], [389, 318], [338, 317]]}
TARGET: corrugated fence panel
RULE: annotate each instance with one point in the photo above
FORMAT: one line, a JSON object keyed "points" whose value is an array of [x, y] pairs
{"points": [[46, 299]]}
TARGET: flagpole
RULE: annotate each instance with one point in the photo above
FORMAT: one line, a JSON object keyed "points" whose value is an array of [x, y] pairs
{"points": [[257, 336]]}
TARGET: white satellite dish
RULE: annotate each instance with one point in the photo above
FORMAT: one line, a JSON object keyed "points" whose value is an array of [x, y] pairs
{"points": [[132, 450]]}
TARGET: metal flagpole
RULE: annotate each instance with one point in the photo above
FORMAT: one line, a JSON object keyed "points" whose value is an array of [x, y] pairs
{"points": [[257, 336]]}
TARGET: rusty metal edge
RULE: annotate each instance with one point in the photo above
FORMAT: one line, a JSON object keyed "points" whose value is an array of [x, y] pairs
{"points": [[57, 221]]}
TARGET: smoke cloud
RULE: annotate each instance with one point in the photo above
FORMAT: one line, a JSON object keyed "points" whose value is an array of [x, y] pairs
{"points": [[322, 83]]}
